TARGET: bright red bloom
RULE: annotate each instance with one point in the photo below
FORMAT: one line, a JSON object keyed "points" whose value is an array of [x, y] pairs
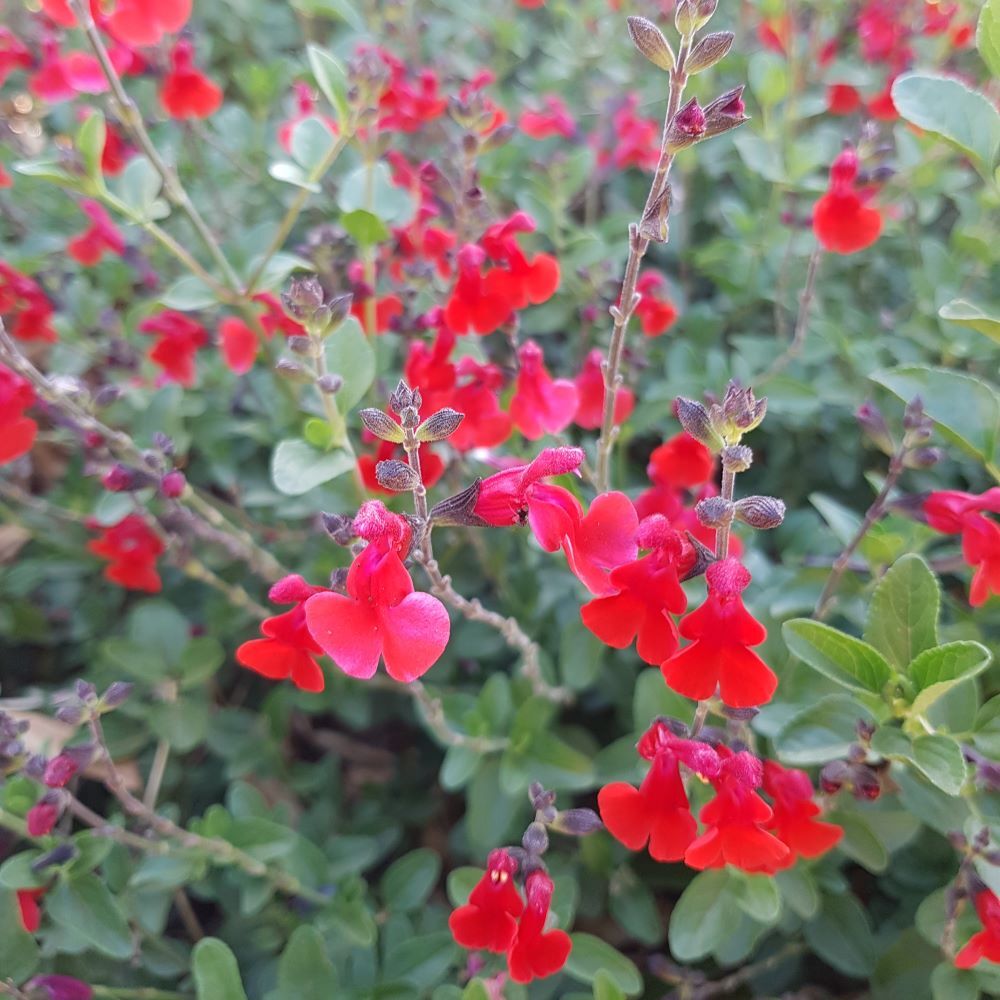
{"points": [[555, 119], [14, 54], [734, 821], [386, 310], [590, 391], [186, 92], [656, 315], [947, 510], [239, 344], [61, 77], [24, 306], [274, 319], [488, 921], [774, 33], [6, 180], [60, 771], [882, 107], [954, 512], [540, 404], [841, 220], [131, 548], [17, 432], [178, 340], [681, 462], [883, 30], [648, 592], [984, 943], [794, 821], [288, 650], [720, 656], [658, 811], [53, 987], [116, 153], [409, 101], [145, 22], [478, 301], [103, 235], [380, 616], [31, 912], [842, 99], [536, 953], [41, 818], [636, 141]]}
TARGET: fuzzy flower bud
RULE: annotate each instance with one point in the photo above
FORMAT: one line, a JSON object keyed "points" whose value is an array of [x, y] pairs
{"points": [[577, 822], [396, 476], [687, 127], [736, 458], [116, 695], [57, 988], [695, 420], [172, 484], [651, 42], [923, 458], [873, 424], [402, 396], [714, 512], [330, 384], [760, 512], [382, 425], [709, 51], [535, 840], [439, 426]]}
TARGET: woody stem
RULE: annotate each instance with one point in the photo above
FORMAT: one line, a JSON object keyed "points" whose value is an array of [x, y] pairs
{"points": [[722, 534], [628, 300]]}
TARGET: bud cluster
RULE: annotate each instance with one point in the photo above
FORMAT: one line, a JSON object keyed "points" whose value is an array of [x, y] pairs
{"points": [[724, 424], [913, 451], [305, 301]]}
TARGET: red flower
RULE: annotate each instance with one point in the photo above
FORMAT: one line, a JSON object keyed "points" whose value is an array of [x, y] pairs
{"points": [[131, 548], [103, 235], [599, 541], [41, 818], [774, 33], [734, 821], [305, 107], [58, 988], [274, 319], [380, 616], [657, 811], [60, 770], [61, 77], [540, 404], [720, 656], [882, 32], [488, 922], [842, 99], [953, 512], [186, 92], [485, 424], [14, 54], [178, 339], [239, 344], [31, 912], [536, 953], [681, 462], [985, 943], [882, 106], [25, 307], [288, 650], [555, 119], [116, 152], [841, 220], [408, 102], [590, 391], [145, 22], [648, 592], [656, 315], [794, 821], [636, 141], [17, 432], [478, 301], [386, 310]]}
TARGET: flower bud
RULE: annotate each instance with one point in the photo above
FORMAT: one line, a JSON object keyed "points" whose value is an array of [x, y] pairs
{"points": [[300, 344], [873, 424], [541, 798], [651, 42], [292, 371], [687, 127], [396, 476], [709, 51], [85, 691], [913, 415], [117, 694], [172, 484], [382, 425], [577, 822], [695, 420], [43, 815], [458, 510], [655, 222], [833, 776], [440, 425], [119, 479], [742, 409], [55, 987], [302, 298], [714, 512], [339, 527], [536, 839], [703, 558], [740, 714], [72, 715], [57, 856], [409, 417], [725, 113], [759, 512], [330, 384], [867, 785], [401, 397], [923, 458], [107, 395], [736, 458]]}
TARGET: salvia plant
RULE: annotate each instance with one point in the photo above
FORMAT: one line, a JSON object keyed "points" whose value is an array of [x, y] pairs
{"points": [[500, 500]]}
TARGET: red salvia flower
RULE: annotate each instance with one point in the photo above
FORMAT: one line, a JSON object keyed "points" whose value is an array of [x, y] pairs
{"points": [[60, 771], [842, 99], [774, 33], [17, 432], [485, 424], [31, 912], [178, 340], [553, 119], [656, 315], [145, 22], [14, 54], [305, 107], [794, 821], [648, 592], [540, 404], [238, 343], [116, 153], [536, 953], [720, 656], [288, 650], [636, 141], [103, 235], [478, 302], [658, 811], [186, 92], [882, 107], [409, 101], [131, 548], [590, 392], [380, 617], [387, 309], [488, 921], [734, 821], [527, 281], [600, 541], [842, 222], [681, 462], [274, 319], [24, 306], [954, 512], [984, 943]]}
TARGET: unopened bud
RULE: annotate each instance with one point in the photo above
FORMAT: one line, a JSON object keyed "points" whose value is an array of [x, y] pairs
{"points": [[119, 479], [300, 344], [292, 371], [703, 558], [43, 815], [57, 856], [725, 113], [498, 138], [396, 476], [536, 839], [833, 776], [913, 415], [540, 797], [742, 409], [117, 694], [458, 510], [695, 420], [651, 42], [330, 384], [409, 417], [172, 484], [740, 714], [72, 715], [655, 222], [759, 512], [302, 298], [865, 730], [401, 397], [687, 127], [709, 51], [867, 785], [923, 458], [382, 425], [714, 512], [870, 418], [736, 458], [107, 395], [577, 822], [85, 691], [439, 426], [339, 527]]}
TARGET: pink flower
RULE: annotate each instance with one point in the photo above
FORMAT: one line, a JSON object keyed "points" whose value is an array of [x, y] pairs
{"points": [[540, 405]]}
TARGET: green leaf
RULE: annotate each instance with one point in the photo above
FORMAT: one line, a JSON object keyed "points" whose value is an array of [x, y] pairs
{"points": [[188, 294], [757, 896], [370, 187], [139, 187], [349, 354], [420, 961], [292, 173], [311, 144], [988, 35], [365, 228], [860, 842], [90, 145], [968, 314], [331, 80], [940, 758], [297, 467], [902, 617], [704, 917], [966, 409], [836, 655], [409, 881], [633, 905], [591, 956], [216, 974], [85, 907], [820, 732], [798, 890], [19, 952], [949, 664], [842, 935], [304, 969], [962, 116], [48, 170], [605, 988], [947, 982]]}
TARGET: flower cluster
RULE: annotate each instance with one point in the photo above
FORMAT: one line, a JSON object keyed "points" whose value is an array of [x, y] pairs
{"points": [[842, 220], [17, 432], [24, 307]]}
